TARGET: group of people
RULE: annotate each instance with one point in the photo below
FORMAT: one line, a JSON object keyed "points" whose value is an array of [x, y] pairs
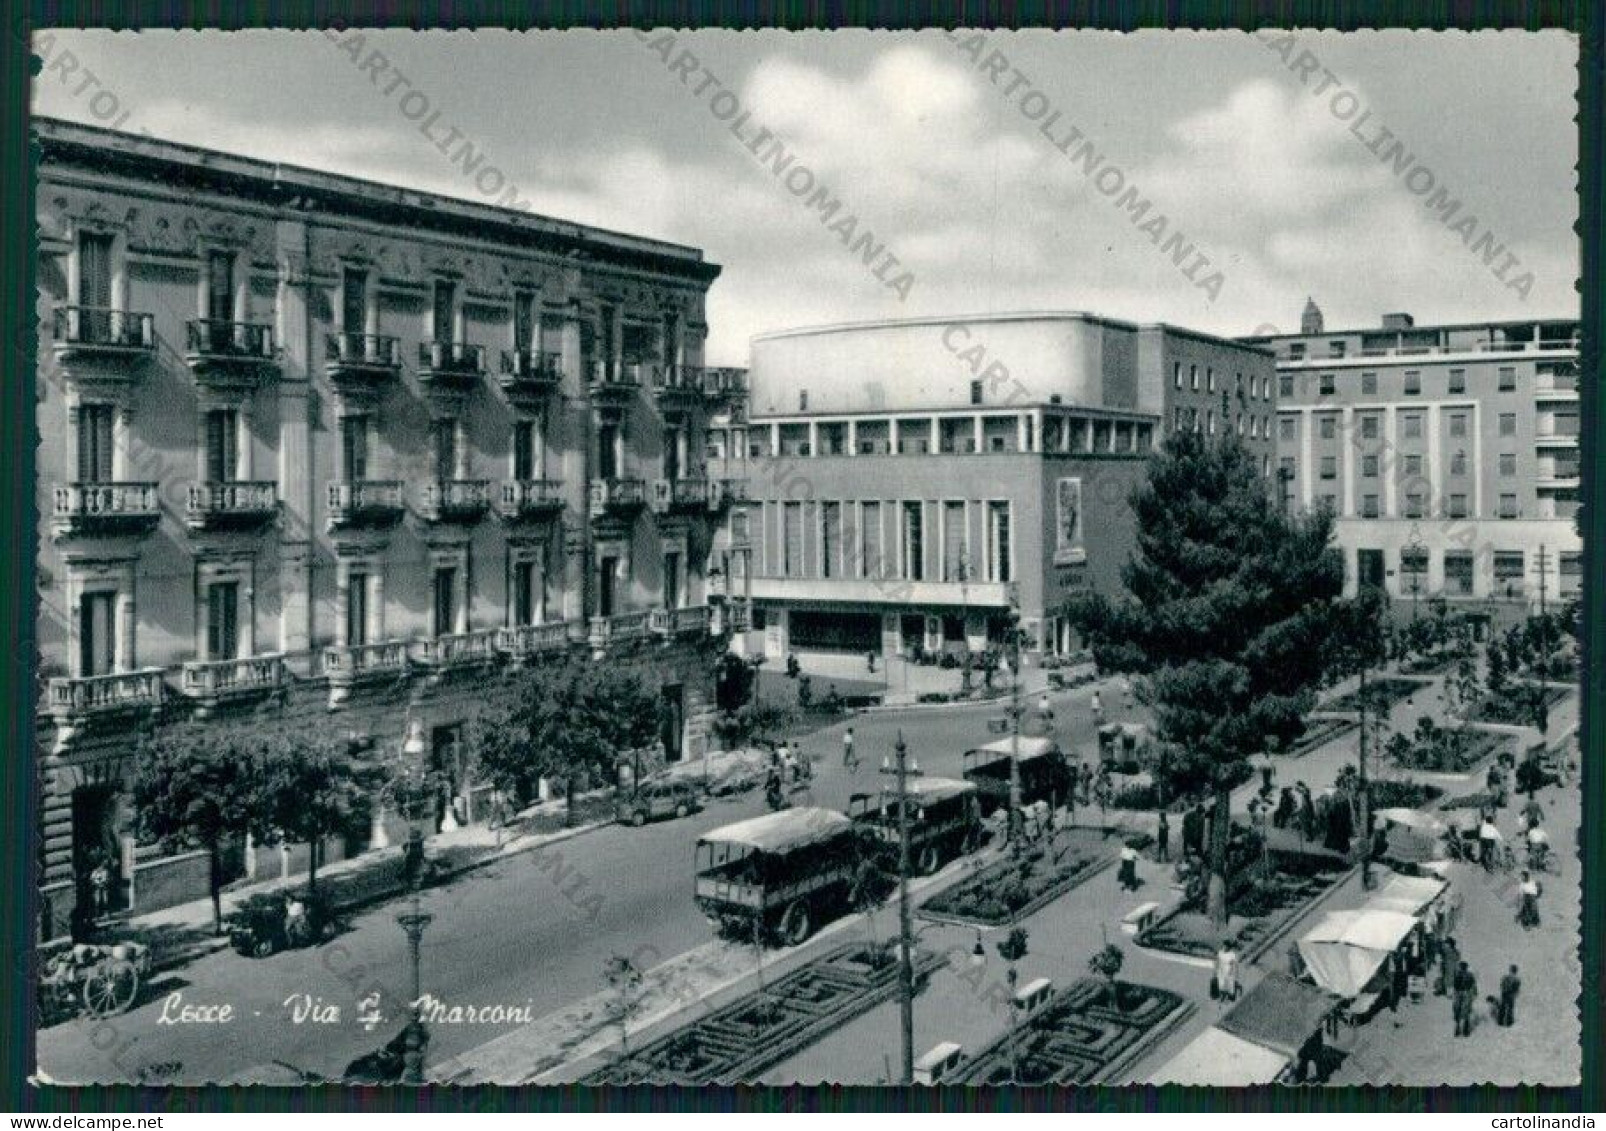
{"points": [[1296, 808], [786, 768]]}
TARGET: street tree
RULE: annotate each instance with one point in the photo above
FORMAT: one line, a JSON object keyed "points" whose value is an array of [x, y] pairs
{"points": [[1359, 644], [308, 788], [1228, 610], [624, 980], [194, 786]]}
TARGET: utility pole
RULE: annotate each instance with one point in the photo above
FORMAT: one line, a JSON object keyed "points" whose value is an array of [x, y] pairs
{"points": [[1542, 566], [1366, 792], [1014, 723], [901, 770]]}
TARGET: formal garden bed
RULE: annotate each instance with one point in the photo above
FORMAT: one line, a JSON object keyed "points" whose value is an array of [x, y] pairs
{"points": [[1003, 892], [1318, 732], [1382, 696], [1395, 793], [1444, 750], [1088, 1031], [1265, 894], [1515, 706]]}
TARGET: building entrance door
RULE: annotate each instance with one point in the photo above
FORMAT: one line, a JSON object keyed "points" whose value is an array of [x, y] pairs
{"points": [[1369, 569], [674, 722]]}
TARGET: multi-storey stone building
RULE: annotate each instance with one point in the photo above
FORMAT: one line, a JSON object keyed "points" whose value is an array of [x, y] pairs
{"points": [[1449, 454], [917, 480], [311, 444]]}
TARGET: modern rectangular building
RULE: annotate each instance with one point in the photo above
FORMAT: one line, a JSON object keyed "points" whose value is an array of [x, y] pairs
{"points": [[1449, 454], [317, 447], [915, 482]]}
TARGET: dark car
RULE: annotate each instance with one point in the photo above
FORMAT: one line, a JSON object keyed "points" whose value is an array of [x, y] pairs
{"points": [[264, 925], [653, 800]]}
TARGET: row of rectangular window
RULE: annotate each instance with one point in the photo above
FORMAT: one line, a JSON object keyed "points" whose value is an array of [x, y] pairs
{"points": [[1410, 425], [1259, 388], [870, 559], [1455, 382], [1510, 569]]}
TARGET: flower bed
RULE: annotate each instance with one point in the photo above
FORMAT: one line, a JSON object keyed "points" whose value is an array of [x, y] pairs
{"points": [[1505, 707], [1445, 750], [1318, 732], [1009, 889], [1391, 794], [1259, 911], [1382, 695]]}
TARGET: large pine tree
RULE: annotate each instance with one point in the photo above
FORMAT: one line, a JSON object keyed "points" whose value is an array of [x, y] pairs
{"points": [[1229, 607]]}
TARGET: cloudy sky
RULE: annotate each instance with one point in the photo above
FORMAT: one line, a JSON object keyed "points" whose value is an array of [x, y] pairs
{"points": [[937, 159]]}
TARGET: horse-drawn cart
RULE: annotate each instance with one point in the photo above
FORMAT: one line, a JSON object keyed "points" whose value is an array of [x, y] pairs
{"points": [[99, 980]]}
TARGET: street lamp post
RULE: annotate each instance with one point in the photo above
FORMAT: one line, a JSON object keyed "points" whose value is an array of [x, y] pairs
{"points": [[1014, 825], [900, 766], [1012, 949], [413, 783]]}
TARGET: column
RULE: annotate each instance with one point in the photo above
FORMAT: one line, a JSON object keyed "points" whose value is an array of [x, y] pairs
{"points": [[1435, 471], [936, 435], [1020, 432], [1391, 443], [1347, 454], [814, 438], [976, 430], [892, 434], [853, 437], [125, 621], [1307, 473], [294, 329], [1475, 430], [775, 440], [203, 285], [1037, 431]]}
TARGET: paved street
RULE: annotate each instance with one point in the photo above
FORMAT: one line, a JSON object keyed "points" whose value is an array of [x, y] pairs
{"points": [[530, 932]]}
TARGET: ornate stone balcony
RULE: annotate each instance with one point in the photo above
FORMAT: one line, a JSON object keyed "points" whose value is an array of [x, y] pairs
{"points": [[348, 665], [450, 364], [213, 682], [613, 387], [458, 650], [361, 361], [680, 495], [528, 640], [693, 620], [617, 497], [228, 353], [365, 503], [117, 510], [677, 388], [724, 385], [80, 698], [123, 338], [621, 628], [727, 492], [528, 373], [231, 506], [524, 500], [454, 500]]}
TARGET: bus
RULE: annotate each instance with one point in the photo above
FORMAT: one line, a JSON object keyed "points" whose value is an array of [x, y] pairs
{"points": [[944, 822], [776, 878], [1045, 775]]}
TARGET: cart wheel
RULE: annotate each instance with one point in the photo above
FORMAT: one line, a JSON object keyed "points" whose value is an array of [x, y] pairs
{"points": [[796, 924], [681, 810], [930, 860], [263, 947], [110, 988], [638, 818]]}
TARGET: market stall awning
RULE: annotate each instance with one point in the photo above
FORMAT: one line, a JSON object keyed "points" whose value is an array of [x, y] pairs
{"points": [[1280, 1013], [1347, 948], [1027, 749], [1218, 1057], [1409, 895]]}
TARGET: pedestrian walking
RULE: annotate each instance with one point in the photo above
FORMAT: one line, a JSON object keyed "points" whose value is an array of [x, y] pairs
{"points": [[1528, 912], [1129, 868], [1043, 708], [1286, 808], [1488, 843], [1506, 1010], [1226, 971], [1162, 838], [1098, 707], [1450, 961], [1128, 696], [1465, 987], [850, 760]]}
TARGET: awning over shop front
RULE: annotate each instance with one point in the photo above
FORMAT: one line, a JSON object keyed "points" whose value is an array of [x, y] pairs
{"points": [[1409, 895], [1218, 1057], [1280, 1013], [1347, 948]]}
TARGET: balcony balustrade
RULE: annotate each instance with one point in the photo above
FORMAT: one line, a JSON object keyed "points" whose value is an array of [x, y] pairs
{"points": [[232, 505], [210, 682], [724, 384], [680, 495], [129, 510], [458, 650], [361, 360], [226, 353], [677, 387], [620, 628], [524, 641], [365, 502], [523, 500], [614, 387], [617, 497], [100, 333], [75, 699], [727, 492], [454, 500], [531, 373], [692, 620], [450, 363], [349, 664]]}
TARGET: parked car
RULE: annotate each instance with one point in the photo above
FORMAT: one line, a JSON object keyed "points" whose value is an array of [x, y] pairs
{"points": [[652, 800], [263, 924]]}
